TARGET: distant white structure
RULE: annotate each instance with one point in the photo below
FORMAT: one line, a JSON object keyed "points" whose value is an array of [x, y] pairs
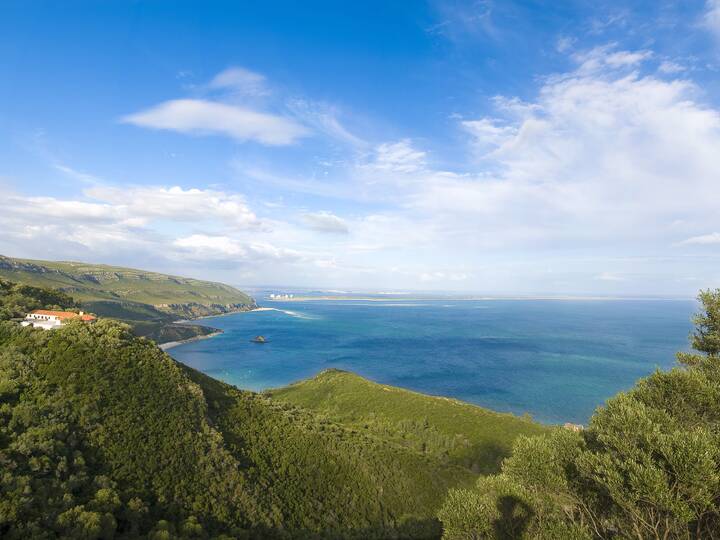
{"points": [[281, 296], [49, 320]]}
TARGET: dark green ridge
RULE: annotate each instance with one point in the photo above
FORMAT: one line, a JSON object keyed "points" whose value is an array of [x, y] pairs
{"points": [[102, 434]]}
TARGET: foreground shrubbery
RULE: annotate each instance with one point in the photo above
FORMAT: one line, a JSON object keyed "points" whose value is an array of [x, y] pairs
{"points": [[648, 466]]}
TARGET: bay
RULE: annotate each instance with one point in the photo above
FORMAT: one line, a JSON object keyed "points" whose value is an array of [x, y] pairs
{"points": [[554, 359]]}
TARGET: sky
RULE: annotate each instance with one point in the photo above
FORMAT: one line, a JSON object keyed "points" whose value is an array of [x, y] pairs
{"points": [[498, 147]]}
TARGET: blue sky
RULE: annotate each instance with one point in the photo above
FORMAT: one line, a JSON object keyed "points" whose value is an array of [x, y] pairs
{"points": [[486, 146]]}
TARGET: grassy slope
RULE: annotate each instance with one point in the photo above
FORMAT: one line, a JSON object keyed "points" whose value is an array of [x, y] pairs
{"points": [[318, 475], [93, 282], [448, 429], [148, 301]]}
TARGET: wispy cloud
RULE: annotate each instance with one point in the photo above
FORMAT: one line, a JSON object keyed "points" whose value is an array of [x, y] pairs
{"points": [[241, 104], [242, 81], [324, 119], [669, 67], [704, 239], [325, 222], [206, 247], [711, 16], [398, 157], [80, 176], [202, 117]]}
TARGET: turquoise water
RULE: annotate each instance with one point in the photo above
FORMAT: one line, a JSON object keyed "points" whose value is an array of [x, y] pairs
{"points": [[557, 360]]}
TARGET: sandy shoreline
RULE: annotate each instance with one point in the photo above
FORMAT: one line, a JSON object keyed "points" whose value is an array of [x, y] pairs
{"points": [[171, 344]]}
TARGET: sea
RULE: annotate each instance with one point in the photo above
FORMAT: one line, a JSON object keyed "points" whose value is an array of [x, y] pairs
{"points": [[554, 359]]}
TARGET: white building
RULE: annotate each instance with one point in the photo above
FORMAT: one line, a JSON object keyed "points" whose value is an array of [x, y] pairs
{"points": [[49, 320]]}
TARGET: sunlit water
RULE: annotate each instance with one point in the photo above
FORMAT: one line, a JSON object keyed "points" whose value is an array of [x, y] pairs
{"points": [[557, 360]]}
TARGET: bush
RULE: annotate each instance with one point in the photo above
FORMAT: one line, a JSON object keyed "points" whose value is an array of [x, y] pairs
{"points": [[648, 466]]}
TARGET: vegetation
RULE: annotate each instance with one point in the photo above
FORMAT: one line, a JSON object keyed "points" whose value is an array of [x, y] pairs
{"points": [[102, 435], [93, 282], [149, 302], [648, 466], [449, 430], [17, 300]]}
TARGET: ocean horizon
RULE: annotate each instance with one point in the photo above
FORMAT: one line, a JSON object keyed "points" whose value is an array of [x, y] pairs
{"points": [[556, 360]]}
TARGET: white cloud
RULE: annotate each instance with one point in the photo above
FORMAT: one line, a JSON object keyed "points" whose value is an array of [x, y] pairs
{"points": [[202, 117], [205, 247], [324, 119], [398, 157], [242, 81], [600, 155], [704, 239], [670, 68], [488, 132], [137, 206], [325, 222], [107, 218], [600, 59], [711, 17], [177, 204], [606, 160], [77, 175]]}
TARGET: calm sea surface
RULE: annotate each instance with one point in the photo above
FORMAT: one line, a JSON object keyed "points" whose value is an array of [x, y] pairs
{"points": [[555, 359]]}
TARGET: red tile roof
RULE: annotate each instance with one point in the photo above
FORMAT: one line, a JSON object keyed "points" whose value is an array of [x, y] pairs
{"points": [[62, 315]]}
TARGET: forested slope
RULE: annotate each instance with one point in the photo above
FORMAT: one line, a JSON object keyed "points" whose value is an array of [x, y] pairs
{"points": [[103, 435]]}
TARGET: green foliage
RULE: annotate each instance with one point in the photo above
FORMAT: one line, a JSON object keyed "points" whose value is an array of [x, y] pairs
{"points": [[102, 435], [706, 337], [149, 302], [447, 430], [93, 282], [648, 466], [16, 300]]}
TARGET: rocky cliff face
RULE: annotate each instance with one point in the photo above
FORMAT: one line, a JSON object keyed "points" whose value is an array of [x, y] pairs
{"points": [[193, 310]]}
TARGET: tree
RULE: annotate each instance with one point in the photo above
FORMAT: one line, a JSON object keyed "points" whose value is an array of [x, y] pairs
{"points": [[648, 466]]}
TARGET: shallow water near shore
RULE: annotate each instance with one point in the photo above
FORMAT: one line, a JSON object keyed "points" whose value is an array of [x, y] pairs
{"points": [[555, 359]]}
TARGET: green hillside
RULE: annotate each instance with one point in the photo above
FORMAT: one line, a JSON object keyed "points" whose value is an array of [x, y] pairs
{"points": [[148, 301], [94, 282], [447, 429], [103, 435]]}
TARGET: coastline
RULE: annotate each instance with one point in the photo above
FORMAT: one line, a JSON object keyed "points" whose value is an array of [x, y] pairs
{"points": [[171, 344], [189, 321], [461, 299], [217, 332]]}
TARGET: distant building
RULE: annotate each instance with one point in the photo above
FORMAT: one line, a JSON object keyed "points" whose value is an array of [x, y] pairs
{"points": [[282, 296], [573, 427], [49, 320]]}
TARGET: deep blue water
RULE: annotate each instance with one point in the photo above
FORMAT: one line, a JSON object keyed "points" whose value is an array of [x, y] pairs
{"points": [[555, 359]]}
